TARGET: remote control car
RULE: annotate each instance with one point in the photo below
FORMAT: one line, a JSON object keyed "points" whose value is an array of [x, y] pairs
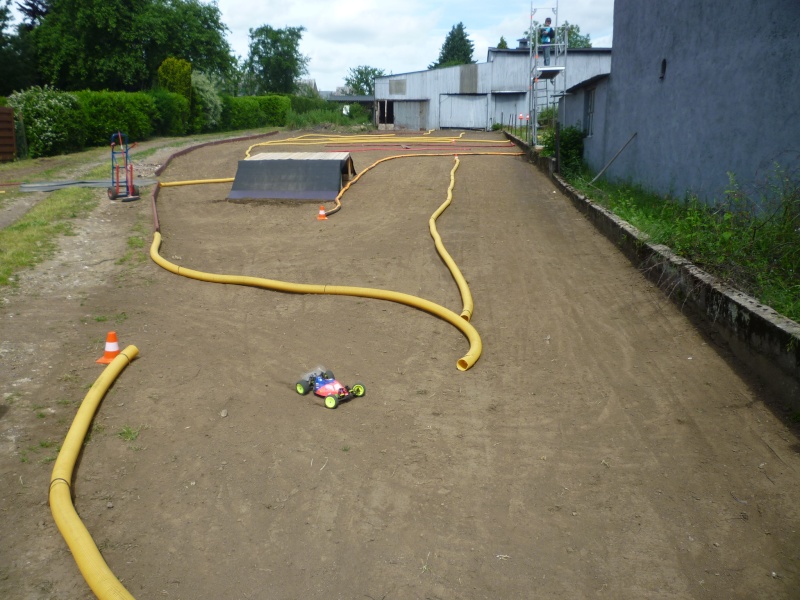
{"points": [[324, 384]]}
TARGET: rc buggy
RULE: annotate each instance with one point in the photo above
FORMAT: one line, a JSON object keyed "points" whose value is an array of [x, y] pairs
{"points": [[324, 384]]}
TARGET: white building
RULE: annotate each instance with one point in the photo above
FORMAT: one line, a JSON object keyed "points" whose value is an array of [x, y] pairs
{"points": [[478, 95]]}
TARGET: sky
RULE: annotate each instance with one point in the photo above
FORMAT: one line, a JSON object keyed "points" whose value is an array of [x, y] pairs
{"points": [[401, 36], [404, 35]]}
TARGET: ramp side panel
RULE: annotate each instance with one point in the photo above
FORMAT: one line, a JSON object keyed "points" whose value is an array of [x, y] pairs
{"points": [[290, 178]]}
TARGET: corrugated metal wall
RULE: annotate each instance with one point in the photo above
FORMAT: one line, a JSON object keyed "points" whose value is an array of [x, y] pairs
{"points": [[502, 84], [463, 111]]}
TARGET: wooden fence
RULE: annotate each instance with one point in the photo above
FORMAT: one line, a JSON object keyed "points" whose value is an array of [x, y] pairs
{"points": [[8, 143]]}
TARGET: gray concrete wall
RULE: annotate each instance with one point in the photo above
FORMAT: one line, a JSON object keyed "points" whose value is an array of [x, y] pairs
{"points": [[727, 100]]}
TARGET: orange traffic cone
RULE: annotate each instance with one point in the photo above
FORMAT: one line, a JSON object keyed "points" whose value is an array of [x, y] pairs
{"points": [[322, 216], [112, 349]]}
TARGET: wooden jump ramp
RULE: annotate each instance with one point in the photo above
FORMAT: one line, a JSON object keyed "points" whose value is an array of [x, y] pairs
{"points": [[301, 176]]}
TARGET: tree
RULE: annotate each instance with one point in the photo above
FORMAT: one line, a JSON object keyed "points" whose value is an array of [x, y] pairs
{"points": [[456, 50], [119, 44], [574, 37], [33, 11], [361, 80], [17, 55], [502, 44], [576, 40], [196, 33], [275, 64]]}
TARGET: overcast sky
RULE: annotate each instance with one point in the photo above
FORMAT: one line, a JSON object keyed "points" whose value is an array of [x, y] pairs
{"points": [[401, 36], [404, 35]]}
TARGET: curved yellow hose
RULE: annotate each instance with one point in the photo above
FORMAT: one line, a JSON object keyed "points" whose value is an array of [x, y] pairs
{"points": [[194, 182], [464, 363], [463, 287], [88, 558], [312, 139]]}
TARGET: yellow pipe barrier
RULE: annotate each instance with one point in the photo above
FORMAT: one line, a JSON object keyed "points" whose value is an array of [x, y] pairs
{"points": [[463, 287], [318, 139], [464, 363], [94, 569], [194, 182]]}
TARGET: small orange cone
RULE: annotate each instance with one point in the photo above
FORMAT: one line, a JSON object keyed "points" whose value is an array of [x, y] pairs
{"points": [[112, 349], [322, 216]]}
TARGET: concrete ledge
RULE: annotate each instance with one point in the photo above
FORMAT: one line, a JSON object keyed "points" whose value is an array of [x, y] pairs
{"points": [[763, 339]]}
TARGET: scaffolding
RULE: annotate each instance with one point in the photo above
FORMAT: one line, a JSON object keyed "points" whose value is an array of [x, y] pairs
{"points": [[546, 82]]}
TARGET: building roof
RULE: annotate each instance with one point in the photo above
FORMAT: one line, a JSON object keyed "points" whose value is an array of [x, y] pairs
{"points": [[588, 82]]}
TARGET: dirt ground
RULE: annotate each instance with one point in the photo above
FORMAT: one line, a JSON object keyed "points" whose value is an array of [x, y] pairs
{"points": [[602, 447]]}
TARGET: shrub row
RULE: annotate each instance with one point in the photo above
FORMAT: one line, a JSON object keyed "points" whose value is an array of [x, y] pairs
{"points": [[57, 122]]}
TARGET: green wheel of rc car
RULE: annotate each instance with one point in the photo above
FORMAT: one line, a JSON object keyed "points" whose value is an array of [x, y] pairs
{"points": [[331, 401], [302, 387], [358, 390], [328, 375]]}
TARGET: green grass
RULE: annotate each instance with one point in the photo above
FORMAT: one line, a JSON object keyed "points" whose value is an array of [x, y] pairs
{"points": [[750, 241], [129, 434], [137, 243], [32, 239]]}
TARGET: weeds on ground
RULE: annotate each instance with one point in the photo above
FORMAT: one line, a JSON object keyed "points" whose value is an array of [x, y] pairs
{"points": [[750, 240], [129, 434]]}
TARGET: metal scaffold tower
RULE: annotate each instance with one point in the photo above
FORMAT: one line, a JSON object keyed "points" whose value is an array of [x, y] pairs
{"points": [[548, 65]]}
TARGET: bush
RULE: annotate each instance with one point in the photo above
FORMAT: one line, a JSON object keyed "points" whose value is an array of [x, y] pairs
{"points": [[109, 112], [241, 112], [175, 75], [571, 143], [53, 120], [275, 109], [3, 101], [172, 113], [206, 104], [304, 104]]}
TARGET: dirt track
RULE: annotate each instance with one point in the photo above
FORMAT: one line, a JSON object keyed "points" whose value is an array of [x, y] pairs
{"points": [[602, 447]]}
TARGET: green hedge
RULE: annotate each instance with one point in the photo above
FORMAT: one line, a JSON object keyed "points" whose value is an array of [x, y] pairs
{"points": [[241, 112], [56, 122], [303, 104], [172, 113], [275, 109], [3, 101], [52, 122], [108, 112]]}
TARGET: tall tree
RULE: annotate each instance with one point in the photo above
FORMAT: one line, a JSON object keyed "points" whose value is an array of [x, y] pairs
{"points": [[196, 33], [576, 40], [275, 64], [456, 50], [361, 80], [17, 54], [33, 11], [119, 44], [502, 44]]}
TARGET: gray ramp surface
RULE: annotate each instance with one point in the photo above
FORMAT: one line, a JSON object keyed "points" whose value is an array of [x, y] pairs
{"points": [[292, 175]]}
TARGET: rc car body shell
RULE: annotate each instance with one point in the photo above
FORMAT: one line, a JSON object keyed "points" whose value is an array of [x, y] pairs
{"points": [[324, 384]]}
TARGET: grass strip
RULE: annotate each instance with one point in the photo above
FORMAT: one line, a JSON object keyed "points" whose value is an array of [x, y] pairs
{"points": [[749, 240], [33, 238]]}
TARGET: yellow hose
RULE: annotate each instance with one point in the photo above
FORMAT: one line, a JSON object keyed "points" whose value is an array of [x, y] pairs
{"points": [[194, 182], [464, 363], [463, 287], [88, 558]]}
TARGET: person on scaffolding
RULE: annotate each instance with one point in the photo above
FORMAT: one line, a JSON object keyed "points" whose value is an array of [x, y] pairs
{"points": [[547, 35]]}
